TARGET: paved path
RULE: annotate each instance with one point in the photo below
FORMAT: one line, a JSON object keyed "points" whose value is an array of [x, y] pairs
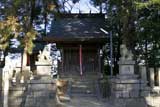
{"points": [[78, 101]]}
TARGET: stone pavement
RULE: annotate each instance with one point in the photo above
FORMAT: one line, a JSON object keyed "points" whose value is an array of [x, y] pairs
{"points": [[41, 93], [79, 101]]}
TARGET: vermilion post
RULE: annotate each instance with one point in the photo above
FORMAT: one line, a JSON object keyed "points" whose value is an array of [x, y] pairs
{"points": [[80, 59]]}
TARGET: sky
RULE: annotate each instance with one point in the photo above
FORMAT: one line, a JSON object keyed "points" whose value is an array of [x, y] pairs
{"points": [[84, 6]]}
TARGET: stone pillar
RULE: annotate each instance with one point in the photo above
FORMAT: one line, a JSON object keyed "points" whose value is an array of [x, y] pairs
{"points": [[14, 77], [24, 55], [5, 85], [1, 93], [159, 77], [151, 70], [145, 90], [143, 73]]}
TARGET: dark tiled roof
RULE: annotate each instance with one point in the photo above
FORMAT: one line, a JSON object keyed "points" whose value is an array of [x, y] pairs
{"points": [[83, 27]]}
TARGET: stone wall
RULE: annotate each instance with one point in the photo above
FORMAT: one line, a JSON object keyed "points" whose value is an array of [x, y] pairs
{"points": [[153, 96], [16, 96]]}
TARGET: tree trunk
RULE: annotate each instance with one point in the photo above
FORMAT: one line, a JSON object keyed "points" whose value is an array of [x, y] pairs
{"points": [[100, 7], [23, 65], [45, 25]]}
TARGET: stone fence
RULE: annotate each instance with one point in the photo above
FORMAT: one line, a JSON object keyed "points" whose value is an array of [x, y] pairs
{"points": [[140, 84], [137, 86], [154, 79]]}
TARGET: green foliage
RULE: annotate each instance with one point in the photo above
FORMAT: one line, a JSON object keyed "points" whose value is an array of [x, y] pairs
{"points": [[27, 40], [147, 4], [148, 31], [27, 12], [9, 28], [98, 3], [122, 14]]}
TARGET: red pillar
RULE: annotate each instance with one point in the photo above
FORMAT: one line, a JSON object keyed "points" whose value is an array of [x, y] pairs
{"points": [[80, 59]]}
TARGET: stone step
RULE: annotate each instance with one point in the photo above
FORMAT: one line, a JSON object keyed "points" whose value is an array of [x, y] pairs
{"points": [[83, 88], [83, 91], [75, 91], [42, 80], [64, 98], [86, 76]]}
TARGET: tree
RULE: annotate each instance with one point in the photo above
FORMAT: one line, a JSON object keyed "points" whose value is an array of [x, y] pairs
{"points": [[99, 4], [148, 31], [147, 4], [9, 29], [66, 6], [120, 22]]}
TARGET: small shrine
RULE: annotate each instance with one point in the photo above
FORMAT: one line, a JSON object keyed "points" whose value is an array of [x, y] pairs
{"points": [[79, 40]]}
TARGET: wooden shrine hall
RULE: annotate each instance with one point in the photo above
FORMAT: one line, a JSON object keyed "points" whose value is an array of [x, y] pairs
{"points": [[79, 39]]}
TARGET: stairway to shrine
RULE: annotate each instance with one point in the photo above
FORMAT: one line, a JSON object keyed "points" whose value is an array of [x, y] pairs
{"points": [[83, 88], [86, 85]]}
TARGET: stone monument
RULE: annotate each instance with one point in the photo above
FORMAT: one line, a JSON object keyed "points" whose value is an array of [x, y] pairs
{"points": [[126, 84]]}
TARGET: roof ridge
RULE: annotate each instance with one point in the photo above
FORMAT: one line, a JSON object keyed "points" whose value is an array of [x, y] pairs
{"points": [[80, 15]]}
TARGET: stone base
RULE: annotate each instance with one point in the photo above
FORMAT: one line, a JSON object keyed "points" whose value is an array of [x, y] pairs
{"points": [[130, 102], [126, 62], [43, 69], [126, 67], [127, 76], [124, 86]]}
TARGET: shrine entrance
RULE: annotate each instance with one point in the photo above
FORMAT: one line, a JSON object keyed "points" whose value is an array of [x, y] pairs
{"points": [[79, 61]]}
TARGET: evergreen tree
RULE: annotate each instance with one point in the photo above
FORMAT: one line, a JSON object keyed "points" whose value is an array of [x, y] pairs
{"points": [[22, 14], [9, 29], [148, 31]]}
